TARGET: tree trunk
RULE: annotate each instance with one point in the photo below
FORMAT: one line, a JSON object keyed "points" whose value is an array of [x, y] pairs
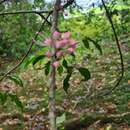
{"points": [[52, 85]]}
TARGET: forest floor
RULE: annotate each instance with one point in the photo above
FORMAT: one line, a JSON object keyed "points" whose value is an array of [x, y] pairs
{"points": [[83, 97]]}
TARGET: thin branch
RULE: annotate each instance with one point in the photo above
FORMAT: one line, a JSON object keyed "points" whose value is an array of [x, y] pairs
{"points": [[78, 6], [28, 12], [43, 17], [35, 11], [119, 48], [24, 12], [29, 49], [70, 2]]}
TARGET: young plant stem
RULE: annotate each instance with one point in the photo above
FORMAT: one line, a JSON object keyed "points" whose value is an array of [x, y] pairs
{"points": [[52, 85]]}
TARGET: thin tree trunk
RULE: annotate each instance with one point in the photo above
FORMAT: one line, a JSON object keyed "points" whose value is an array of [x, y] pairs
{"points": [[52, 85]]}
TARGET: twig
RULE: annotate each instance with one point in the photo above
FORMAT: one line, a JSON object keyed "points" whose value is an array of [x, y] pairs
{"points": [[35, 11], [28, 12], [119, 48], [24, 12], [43, 17], [70, 2], [78, 6], [29, 49]]}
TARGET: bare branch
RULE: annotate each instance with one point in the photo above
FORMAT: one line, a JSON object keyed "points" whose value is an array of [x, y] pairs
{"points": [[24, 12], [119, 48], [29, 49], [70, 2], [34, 11], [78, 6], [43, 17], [28, 12]]}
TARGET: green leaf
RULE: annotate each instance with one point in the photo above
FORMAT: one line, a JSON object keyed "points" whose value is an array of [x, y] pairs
{"points": [[98, 47], [85, 73], [47, 68], [3, 98], [65, 64], [60, 119], [69, 69], [16, 79], [37, 59], [60, 70], [86, 43], [28, 61], [66, 83], [15, 99], [96, 44], [73, 56], [67, 79]]}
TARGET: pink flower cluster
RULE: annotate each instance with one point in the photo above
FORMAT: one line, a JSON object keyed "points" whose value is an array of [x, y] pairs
{"points": [[63, 44]]}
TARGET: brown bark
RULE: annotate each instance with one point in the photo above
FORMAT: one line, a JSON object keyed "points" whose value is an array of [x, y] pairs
{"points": [[52, 86]]}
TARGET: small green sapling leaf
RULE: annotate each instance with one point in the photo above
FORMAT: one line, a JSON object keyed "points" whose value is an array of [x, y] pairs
{"points": [[37, 59], [60, 69], [64, 63], [67, 79], [17, 101], [16, 79], [47, 68], [3, 98], [85, 73], [86, 43]]}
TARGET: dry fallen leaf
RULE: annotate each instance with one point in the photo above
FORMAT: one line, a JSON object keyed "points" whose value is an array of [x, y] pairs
{"points": [[128, 81], [109, 127]]}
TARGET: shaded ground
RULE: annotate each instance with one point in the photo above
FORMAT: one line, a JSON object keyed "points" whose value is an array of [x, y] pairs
{"points": [[83, 97]]}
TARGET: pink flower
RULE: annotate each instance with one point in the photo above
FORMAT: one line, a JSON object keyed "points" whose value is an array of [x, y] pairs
{"points": [[60, 44], [73, 46], [56, 64], [72, 42], [70, 50], [56, 35], [49, 54], [48, 41], [66, 35], [65, 41], [59, 54]]}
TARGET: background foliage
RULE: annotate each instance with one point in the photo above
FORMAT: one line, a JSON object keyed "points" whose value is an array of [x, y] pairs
{"points": [[96, 58]]}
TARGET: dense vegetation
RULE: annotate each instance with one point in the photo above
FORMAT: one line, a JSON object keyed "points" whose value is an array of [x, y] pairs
{"points": [[84, 79]]}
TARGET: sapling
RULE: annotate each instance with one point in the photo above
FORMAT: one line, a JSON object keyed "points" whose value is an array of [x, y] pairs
{"points": [[59, 45]]}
